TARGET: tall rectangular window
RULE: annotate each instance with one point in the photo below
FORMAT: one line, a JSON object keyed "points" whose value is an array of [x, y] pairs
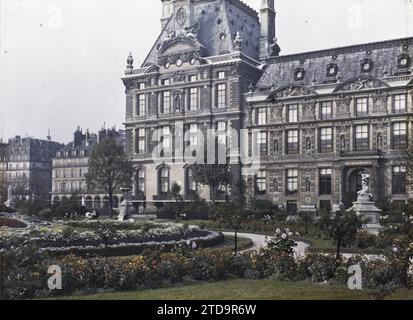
{"points": [[293, 142], [399, 104], [293, 114], [141, 141], [193, 135], [362, 107], [261, 116], [262, 143], [193, 99], [141, 85], [362, 138], [326, 110], [193, 78], [164, 180], [221, 75], [292, 182], [399, 135], [221, 95], [325, 181], [166, 102], [261, 183], [141, 181], [141, 105], [399, 180], [191, 182], [222, 133], [326, 140], [166, 138]]}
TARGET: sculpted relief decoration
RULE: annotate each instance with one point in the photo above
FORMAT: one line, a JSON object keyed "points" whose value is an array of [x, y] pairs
{"points": [[291, 91], [380, 102], [343, 105], [361, 84]]}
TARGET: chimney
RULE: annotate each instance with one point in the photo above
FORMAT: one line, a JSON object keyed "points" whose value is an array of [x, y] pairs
{"points": [[78, 138], [167, 11], [268, 41]]}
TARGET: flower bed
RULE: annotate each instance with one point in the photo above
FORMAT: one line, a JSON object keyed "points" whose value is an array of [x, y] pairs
{"points": [[12, 223], [132, 238]]}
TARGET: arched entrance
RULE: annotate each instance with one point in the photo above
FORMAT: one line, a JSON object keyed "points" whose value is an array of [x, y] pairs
{"points": [[353, 185], [354, 180]]}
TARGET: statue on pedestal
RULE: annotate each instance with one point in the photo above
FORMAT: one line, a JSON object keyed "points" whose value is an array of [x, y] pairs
{"points": [[365, 206], [364, 193], [124, 207], [10, 198]]}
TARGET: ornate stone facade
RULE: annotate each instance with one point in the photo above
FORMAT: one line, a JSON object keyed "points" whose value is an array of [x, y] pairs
{"points": [[26, 165], [357, 123], [216, 64]]}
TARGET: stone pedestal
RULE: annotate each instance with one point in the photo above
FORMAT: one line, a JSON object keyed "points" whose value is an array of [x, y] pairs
{"points": [[367, 209]]}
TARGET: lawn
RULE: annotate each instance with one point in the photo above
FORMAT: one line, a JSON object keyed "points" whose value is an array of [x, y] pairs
{"points": [[244, 290]]}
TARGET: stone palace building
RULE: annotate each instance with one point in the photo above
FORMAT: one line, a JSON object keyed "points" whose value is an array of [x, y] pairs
{"points": [[26, 165], [315, 120]]}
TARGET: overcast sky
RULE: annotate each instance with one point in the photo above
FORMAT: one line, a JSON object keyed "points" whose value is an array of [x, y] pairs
{"points": [[61, 60]]}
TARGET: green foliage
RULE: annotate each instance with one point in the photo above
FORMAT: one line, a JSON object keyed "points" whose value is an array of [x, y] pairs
{"points": [[342, 228], [380, 278], [212, 175], [46, 214], [365, 240], [5, 209]]}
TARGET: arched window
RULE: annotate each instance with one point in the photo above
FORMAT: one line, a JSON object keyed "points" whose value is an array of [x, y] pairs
{"points": [[97, 202], [106, 202], [89, 202], [164, 181]]}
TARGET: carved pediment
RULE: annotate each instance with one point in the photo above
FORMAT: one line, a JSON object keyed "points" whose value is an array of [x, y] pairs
{"points": [[291, 91], [361, 83]]}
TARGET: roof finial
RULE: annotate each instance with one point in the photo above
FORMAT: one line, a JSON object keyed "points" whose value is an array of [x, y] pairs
{"points": [[238, 42], [129, 65]]}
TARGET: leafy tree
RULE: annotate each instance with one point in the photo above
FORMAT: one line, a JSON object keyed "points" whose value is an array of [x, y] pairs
{"points": [[235, 216], [214, 176], [342, 228], [176, 192], [109, 169]]}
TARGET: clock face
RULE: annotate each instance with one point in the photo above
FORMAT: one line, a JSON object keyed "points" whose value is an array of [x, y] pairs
{"points": [[179, 62], [403, 62], [299, 75], [181, 16], [332, 70], [366, 66]]}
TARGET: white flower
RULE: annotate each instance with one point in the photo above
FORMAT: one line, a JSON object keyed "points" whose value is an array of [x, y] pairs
{"points": [[395, 249], [290, 234], [194, 246], [297, 234], [284, 236], [188, 243], [278, 231]]}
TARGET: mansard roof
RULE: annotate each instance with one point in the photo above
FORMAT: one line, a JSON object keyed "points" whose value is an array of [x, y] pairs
{"points": [[217, 24], [347, 64]]}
